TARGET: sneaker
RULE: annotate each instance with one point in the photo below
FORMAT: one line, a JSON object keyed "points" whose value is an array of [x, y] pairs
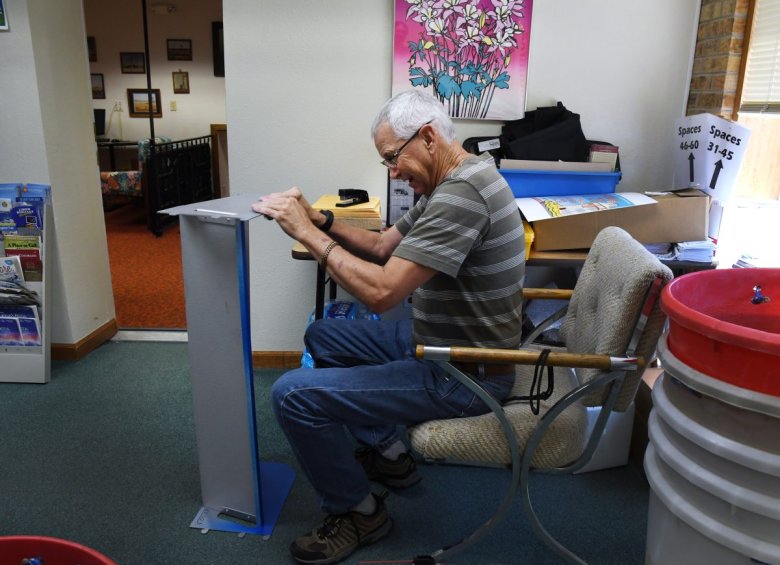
{"points": [[398, 473], [340, 535]]}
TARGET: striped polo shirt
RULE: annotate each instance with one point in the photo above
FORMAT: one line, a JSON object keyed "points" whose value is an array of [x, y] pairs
{"points": [[471, 232]]}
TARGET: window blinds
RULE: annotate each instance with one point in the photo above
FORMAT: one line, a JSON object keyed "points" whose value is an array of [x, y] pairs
{"points": [[761, 85]]}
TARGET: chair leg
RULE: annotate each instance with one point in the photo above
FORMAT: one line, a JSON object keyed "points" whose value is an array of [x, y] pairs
{"points": [[514, 449], [568, 400]]}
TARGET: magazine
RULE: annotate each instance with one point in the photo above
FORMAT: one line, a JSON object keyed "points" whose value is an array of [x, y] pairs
{"points": [[545, 207]]}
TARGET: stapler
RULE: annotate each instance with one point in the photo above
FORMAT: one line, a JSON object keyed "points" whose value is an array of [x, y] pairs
{"points": [[351, 196]]}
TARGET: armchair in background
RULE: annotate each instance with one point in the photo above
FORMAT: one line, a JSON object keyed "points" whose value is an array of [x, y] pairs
{"points": [[126, 183]]}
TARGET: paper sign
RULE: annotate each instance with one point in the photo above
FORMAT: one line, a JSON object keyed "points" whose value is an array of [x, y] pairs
{"points": [[708, 154], [546, 207], [400, 197]]}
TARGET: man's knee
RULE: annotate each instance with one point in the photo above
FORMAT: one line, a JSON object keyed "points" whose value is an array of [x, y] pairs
{"points": [[313, 332], [286, 395], [281, 388]]}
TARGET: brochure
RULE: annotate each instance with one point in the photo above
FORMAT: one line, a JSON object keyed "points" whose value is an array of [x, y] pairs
{"points": [[546, 207]]}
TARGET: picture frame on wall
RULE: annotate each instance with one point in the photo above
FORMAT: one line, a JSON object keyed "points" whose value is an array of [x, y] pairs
{"points": [[180, 50], [139, 102], [218, 48], [132, 63], [181, 82], [3, 17], [98, 88], [91, 49], [478, 68]]}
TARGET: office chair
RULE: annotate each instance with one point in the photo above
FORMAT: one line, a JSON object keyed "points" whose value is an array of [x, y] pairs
{"points": [[611, 326]]}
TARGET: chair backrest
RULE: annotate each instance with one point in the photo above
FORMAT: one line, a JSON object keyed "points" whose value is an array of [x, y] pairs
{"points": [[607, 302]]}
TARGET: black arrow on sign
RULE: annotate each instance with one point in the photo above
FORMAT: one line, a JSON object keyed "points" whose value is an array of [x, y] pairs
{"points": [[718, 167], [691, 159]]}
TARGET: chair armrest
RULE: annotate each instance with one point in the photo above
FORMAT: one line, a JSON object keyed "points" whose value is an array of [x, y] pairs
{"points": [[547, 293], [527, 357]]}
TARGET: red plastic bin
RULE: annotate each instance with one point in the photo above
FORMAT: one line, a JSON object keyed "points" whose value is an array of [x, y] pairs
{"points": [[52, 551], [716, 329]]}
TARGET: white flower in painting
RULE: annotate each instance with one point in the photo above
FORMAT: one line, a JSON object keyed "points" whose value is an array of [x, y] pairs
{"points": [[471, 12], [437, 26], [449, 7], [469, 35]]}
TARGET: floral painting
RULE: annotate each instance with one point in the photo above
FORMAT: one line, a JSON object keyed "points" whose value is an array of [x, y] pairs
{"points": [[471, 54]]}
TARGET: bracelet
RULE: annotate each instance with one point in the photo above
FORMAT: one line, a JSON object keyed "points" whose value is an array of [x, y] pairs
{"points": [[324, 256], [328, 220]]}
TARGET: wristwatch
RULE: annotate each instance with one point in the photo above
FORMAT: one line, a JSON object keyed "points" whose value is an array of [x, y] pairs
{"points": [[328, 220]]}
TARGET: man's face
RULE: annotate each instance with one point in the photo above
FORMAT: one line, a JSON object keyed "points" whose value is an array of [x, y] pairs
{"points": [[411, 163]]}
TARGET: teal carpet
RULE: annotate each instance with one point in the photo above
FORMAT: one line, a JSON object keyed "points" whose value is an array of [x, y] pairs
{"points": [[105, 455]]}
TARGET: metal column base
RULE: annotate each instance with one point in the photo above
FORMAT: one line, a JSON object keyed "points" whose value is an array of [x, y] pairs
{"points": [[276, 480]]}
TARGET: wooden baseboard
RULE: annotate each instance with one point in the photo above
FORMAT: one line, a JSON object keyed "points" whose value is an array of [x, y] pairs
{"points": [[276, 359], [75, 351]]}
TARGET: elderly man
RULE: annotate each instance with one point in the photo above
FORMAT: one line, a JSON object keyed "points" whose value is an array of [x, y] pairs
{"points": [[459, 251]]}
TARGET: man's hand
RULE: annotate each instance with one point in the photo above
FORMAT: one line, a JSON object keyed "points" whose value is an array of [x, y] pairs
{"points": [[290, 210]]}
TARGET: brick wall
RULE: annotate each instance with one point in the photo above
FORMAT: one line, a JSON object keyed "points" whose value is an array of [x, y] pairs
{"points": [[718, 55]]}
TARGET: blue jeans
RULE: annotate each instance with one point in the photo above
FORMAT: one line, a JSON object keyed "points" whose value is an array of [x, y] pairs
{"points": [[367, 381]]}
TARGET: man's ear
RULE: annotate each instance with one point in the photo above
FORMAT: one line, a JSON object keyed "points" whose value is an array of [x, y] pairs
{"points": [[429, 135]]}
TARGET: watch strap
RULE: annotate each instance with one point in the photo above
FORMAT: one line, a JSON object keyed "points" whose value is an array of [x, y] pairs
{"points": [[328, 220]]}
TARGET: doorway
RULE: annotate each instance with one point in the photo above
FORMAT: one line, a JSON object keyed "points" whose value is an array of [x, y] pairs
{"points": [[146, 270]]}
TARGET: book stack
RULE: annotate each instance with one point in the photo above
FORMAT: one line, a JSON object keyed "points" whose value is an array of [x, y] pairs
{"points": [[21, 263], [366, 215]]}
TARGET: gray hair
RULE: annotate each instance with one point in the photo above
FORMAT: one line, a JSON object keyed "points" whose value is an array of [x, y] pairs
{"points": [[406, 112]]}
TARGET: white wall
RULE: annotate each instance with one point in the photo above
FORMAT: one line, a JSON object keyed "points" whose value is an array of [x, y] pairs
{"points": [[22, 152], [117, 26], [625, 68], [305, 78], [47, 138]]}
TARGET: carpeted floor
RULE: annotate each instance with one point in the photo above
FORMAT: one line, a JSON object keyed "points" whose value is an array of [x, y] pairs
{"points": [[105, 455], [146, 272]]}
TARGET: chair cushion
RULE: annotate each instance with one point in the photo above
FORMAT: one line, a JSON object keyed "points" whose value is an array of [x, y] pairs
{"points": [[480, 439]]}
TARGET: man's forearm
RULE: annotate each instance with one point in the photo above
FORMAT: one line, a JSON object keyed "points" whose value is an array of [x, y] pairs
{"points": [[363, 243]]}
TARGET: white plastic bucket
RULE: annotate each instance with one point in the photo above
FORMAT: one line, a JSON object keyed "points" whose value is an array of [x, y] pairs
{"points": [[714, 471]]}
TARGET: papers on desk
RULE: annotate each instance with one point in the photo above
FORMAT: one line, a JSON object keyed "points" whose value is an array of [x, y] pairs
{"points": [[370, 209], [367, 215], [539, 208], [748, 261], [695, 251], [664, 251]]}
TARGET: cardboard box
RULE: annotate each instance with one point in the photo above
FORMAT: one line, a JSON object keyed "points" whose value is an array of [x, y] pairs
{"points": [[678, 216]]}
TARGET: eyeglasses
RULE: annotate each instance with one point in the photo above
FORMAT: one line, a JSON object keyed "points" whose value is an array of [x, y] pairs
{"points": [[392, 161]]}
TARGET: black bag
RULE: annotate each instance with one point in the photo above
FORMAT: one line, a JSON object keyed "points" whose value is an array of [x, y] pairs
{"points": [[550, 133]]}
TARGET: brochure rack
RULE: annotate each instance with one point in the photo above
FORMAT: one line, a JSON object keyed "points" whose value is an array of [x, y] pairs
{"points": [[240, 492], [32, 363]]}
